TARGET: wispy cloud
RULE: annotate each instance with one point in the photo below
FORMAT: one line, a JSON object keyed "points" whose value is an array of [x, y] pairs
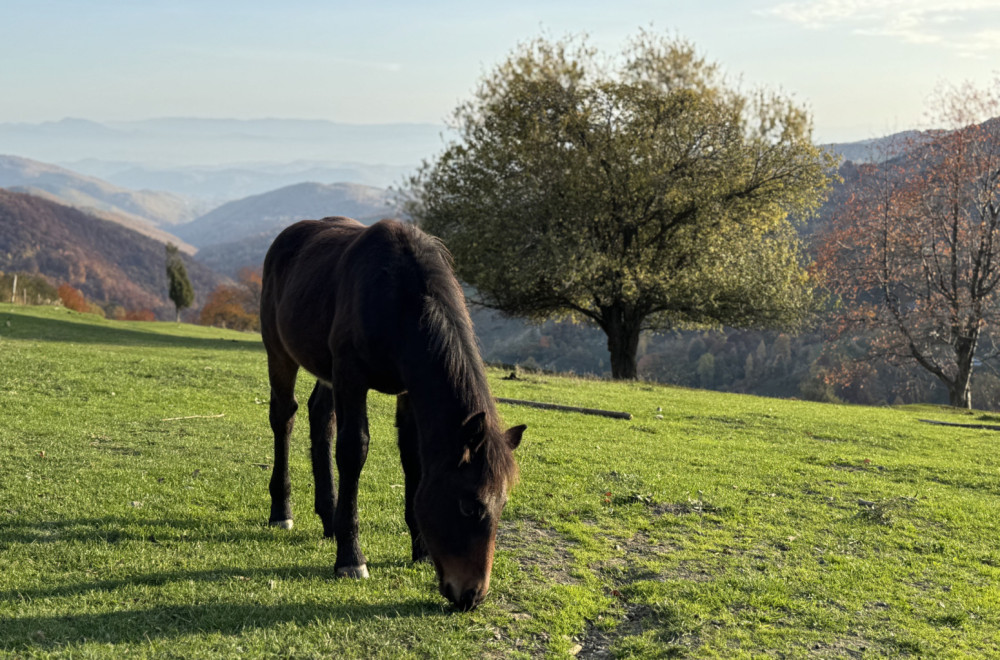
{"points": [[959, 25]]}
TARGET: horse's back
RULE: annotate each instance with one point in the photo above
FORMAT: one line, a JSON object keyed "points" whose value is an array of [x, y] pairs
{"points": [[298, 294]]}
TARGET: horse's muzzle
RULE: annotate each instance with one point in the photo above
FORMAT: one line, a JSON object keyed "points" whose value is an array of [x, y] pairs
{"points": [[468, 600]]}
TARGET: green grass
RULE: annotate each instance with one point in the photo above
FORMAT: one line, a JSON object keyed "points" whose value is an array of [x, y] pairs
{"points": [[733, 526]]}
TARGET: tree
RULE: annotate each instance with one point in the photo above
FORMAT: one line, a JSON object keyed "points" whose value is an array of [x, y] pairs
{"points": [[915, 253], [638, 197], [235, 307], [181, 293], [73, 298]]}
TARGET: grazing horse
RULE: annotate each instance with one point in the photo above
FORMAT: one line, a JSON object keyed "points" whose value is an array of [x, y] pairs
{"points": [[379, 308]]}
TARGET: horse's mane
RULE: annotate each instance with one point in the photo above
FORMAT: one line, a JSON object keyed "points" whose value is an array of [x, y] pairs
{"points": [[445, 319]]}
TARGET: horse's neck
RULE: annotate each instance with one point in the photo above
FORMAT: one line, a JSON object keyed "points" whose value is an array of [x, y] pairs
{"points": [[440, 406]]}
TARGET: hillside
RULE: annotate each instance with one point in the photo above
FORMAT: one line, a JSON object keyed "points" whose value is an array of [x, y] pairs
{"points": [[238, 233], [106, 261], [135, 499], [270, 212], [874, 149], [133, 208]]}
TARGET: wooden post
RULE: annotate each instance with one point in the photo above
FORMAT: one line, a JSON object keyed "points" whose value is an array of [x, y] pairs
{"points": [[13, 291]]}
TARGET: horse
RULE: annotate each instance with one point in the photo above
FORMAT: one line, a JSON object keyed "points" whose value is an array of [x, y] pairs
{"points": [[379, 307]]}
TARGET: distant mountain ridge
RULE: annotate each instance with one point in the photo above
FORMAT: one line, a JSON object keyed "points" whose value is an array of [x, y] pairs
{"points": [[200, 142], [272, 211], [225, 183], [146, 211], [108, 262], [238, 233]]}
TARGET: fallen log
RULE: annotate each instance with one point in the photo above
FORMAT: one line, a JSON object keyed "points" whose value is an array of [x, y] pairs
{"points": [[556, 406]]}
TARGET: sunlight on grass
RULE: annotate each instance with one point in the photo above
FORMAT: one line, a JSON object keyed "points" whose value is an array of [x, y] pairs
{"points": [[732, 526]]}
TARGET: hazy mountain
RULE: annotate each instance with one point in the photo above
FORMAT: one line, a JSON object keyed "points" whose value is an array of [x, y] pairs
{"points": [[141, 210], [269, 213], [874, 149], [108, 262], [221, 183], [211, 142]]}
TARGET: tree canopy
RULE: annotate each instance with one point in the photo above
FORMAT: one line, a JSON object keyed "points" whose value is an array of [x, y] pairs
{"points": [[638, 193]]}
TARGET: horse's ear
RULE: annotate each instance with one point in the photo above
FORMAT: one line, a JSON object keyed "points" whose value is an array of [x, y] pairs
{"points": [[514, 434], [474, 431]]}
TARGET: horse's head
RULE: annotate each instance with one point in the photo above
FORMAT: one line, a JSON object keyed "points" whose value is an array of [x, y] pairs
{"points": [[458, 507]]}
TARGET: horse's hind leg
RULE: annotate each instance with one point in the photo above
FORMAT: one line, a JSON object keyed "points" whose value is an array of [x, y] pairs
{"points": [[409, 455], [282, 371], [352, 450], [321, 421]]}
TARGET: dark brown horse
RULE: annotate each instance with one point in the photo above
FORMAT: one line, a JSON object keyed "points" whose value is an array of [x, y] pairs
{"points": [[379, 308]]}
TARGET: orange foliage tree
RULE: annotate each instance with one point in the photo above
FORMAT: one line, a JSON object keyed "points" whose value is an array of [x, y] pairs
{"points": [[74, 299], [914, 256], [235, 307]]}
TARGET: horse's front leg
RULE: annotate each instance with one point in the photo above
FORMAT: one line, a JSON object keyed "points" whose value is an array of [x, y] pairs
{"points": [[352, 450], [321, 422], [281, 373], [409, 454]]}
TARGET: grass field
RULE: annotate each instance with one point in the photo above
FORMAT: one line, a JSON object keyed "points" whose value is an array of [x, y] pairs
{"points": [[723, 526]]}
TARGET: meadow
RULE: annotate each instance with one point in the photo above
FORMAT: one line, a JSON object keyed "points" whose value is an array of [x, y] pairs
{"points": [[134, 460]]}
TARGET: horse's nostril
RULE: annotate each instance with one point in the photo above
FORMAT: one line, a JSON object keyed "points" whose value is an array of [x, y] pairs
{"points": [[470, 598]]}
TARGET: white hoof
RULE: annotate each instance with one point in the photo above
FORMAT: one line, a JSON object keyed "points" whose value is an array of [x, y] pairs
{"points": [[283, 524], [356, 572]]}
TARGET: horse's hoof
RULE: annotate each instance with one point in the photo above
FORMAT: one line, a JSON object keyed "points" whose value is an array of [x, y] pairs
{"points": [[283, 524], [356, 572]]}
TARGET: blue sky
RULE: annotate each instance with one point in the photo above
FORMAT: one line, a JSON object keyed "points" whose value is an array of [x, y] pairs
{"points": [[864, 67]]}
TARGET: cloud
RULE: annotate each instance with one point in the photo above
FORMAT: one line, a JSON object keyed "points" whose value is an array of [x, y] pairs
{"points": [[953, 24]]}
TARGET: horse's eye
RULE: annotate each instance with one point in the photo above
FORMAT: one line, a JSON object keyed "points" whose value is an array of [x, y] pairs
{"points": [[471, 509]]}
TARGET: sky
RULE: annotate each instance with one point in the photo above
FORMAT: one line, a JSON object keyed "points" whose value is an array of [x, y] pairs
{"points": [[864, 68]]}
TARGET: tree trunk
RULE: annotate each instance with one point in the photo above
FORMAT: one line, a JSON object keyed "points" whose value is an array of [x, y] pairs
{"points": [[623, 343], [960, 389], [178, 314], [959, 396]]}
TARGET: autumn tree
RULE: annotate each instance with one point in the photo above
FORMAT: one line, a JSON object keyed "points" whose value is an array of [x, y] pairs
{"points": [[180, 290], [73, 298], [637, 194], [235, 307], [915, 253]]}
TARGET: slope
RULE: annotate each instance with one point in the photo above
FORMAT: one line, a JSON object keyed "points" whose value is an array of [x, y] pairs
{"points": [[108, 262], [135, 207]]}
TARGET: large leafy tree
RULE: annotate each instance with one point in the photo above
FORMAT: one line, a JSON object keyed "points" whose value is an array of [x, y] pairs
{"points": [[914, 255], [640, 193], [179, 285]]}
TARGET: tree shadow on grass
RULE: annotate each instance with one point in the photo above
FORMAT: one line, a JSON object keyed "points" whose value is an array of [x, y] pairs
{"points": [[106, 332], [119, 529], [52, 632]]}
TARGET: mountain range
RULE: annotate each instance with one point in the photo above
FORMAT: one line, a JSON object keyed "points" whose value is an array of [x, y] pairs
{"points": [[238, 233], [212, 142], [95, 247], [145, 211]]}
